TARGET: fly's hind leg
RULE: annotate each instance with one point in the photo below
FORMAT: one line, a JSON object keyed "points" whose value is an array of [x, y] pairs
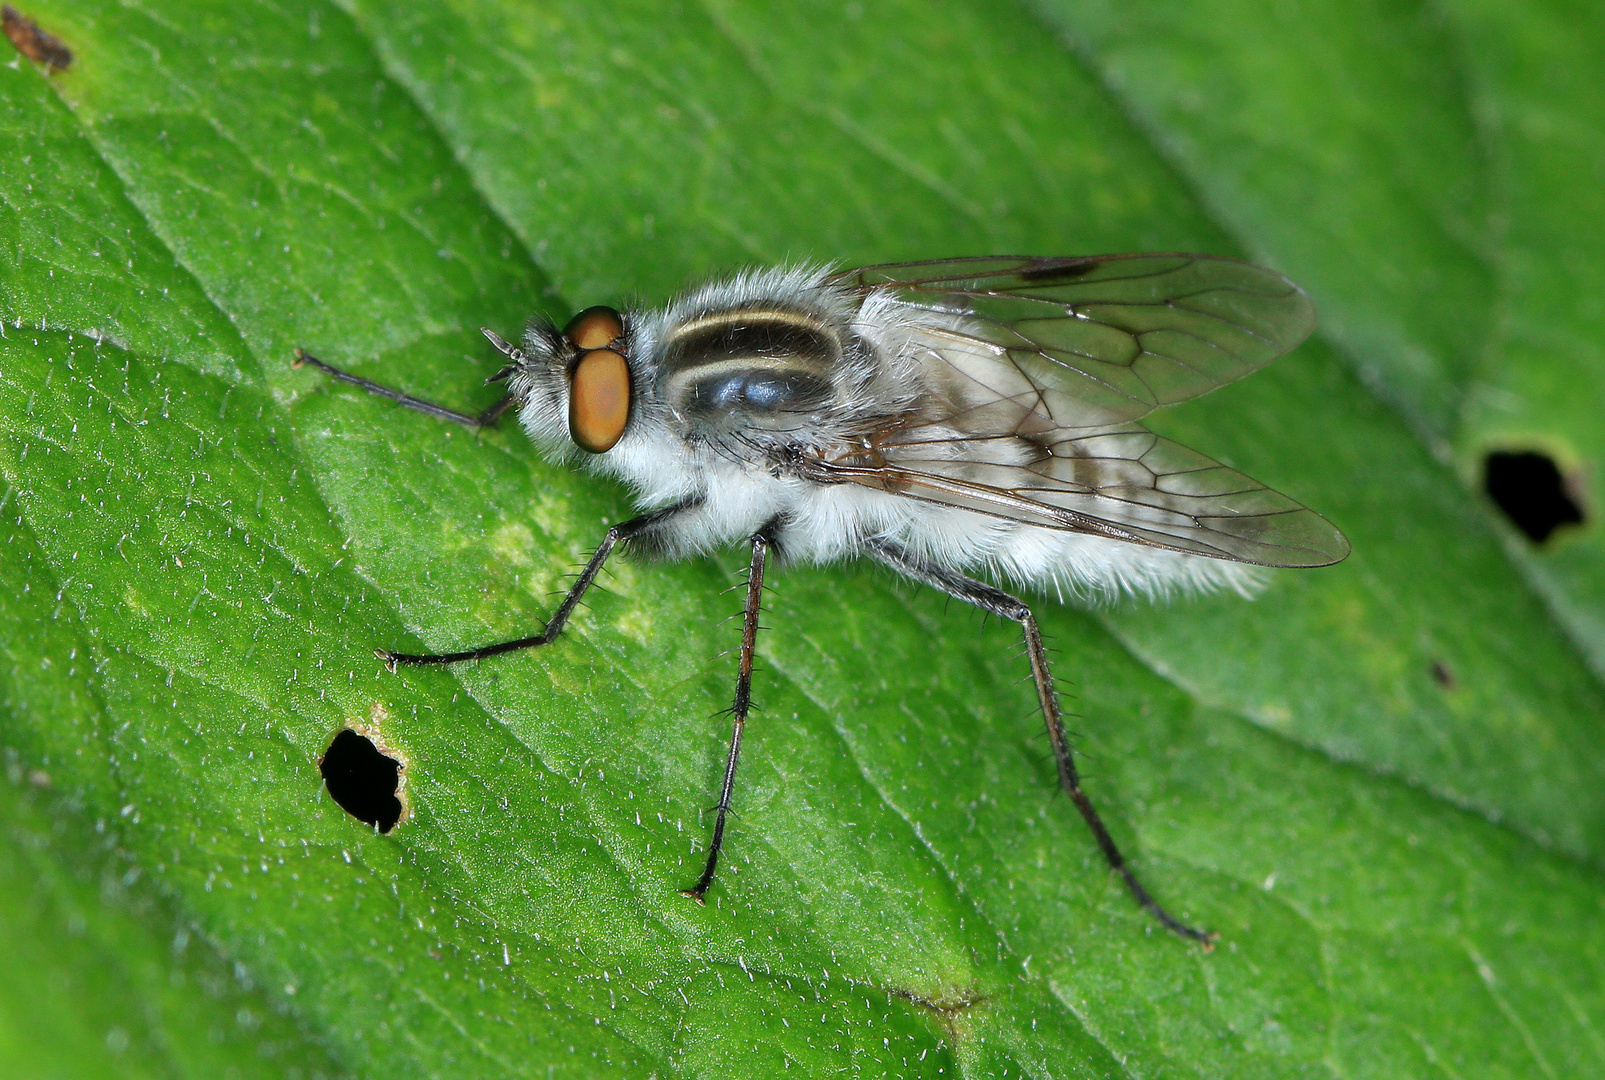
{"points": [[417, 404], [1000, 603]]}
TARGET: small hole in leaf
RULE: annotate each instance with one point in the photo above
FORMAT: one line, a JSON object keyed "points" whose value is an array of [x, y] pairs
{"points": [[1532, 491], [362, 780]]}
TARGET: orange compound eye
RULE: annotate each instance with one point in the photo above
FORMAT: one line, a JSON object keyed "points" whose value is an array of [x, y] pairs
{"points": [[594, 328], [599, 400]]}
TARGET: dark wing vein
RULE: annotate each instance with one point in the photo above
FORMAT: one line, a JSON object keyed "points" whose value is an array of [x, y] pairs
{"points": [[1127, 484], [1037, 370], [1150, 330]]}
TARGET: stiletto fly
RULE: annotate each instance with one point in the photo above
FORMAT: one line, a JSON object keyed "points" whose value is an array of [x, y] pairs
{"points": [[946, 419]]}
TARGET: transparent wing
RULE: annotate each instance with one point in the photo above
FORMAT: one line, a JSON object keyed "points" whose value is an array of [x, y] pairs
{"points": [[1103, 339], [1124, 483]]}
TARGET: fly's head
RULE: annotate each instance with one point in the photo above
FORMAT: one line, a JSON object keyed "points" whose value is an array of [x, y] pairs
{"points": [[575, 387]]}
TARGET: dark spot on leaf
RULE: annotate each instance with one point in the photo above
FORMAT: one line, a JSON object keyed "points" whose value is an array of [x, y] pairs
{"points": [[1443, 675], [33, 42], [950, 1009], [362, 780], [1530, 489], [953, 1003]]}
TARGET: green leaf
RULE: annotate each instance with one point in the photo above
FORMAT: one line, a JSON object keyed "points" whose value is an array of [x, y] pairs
{"points": [[101, 980], [1427, 173], [1380, 783]]}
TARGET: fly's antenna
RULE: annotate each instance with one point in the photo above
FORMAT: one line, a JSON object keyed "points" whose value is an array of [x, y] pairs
{"points": [[507, 349]]}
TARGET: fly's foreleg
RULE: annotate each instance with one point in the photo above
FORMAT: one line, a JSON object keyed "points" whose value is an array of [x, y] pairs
{"points": [[417, 404]]}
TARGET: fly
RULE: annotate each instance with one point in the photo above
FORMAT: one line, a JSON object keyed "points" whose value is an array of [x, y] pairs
{"points": [[977, 415]]}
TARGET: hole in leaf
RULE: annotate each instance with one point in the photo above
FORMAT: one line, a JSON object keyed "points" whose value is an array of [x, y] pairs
{"points": [[362, 780], [1532, 491]]}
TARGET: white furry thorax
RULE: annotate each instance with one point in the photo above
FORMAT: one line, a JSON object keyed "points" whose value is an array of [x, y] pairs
{"points": [[745, 485]]}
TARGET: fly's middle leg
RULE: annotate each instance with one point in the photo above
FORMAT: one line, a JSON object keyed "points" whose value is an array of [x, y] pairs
{"points": [[554, 626], [739, 707]]}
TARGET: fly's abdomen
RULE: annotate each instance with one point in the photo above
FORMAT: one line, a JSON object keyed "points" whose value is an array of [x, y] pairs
{"points": [[767, 368]]}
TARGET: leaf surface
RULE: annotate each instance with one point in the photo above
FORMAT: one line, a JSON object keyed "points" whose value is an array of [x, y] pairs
{"points": [[1380, 783]]}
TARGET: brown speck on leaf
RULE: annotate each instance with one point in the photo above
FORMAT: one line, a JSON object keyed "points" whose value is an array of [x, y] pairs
{"points": [[33, 42], [950, 1008]]}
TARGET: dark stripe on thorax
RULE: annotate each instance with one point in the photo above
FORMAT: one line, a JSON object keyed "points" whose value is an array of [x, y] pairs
{"points": [[759, 334], [750, 361]]}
